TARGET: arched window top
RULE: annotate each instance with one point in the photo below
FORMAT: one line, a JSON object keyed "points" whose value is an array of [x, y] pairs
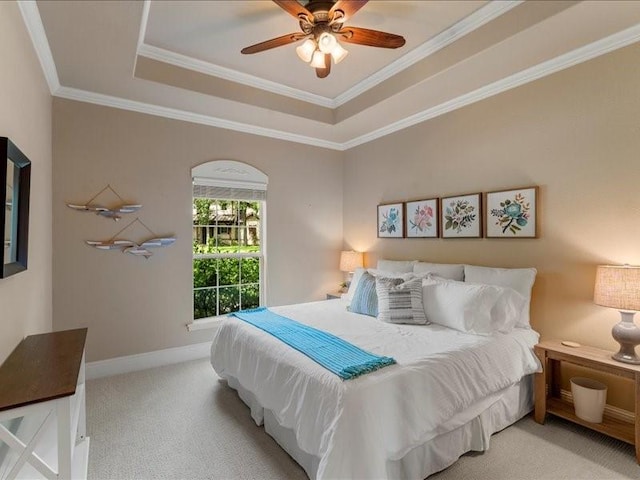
{"points": [[229, 179]]}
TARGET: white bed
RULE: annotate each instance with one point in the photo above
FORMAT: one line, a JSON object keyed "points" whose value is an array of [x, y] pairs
{"points": [[448, 392]]}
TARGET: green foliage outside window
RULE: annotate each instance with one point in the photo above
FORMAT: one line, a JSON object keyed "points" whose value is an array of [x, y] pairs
{"points": [[228, 284]]}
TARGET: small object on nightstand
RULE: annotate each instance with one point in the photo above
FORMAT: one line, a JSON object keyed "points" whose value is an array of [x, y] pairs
{"points": [[571, 344], [334, 295]]}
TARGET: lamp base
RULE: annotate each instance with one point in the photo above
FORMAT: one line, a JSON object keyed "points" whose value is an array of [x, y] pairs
{"points": [[627, 334]]}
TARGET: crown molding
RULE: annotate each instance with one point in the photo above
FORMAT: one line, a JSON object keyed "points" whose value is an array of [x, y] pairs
{"points": [[569, 59], [144, 21], [465, 26], [190, 63], [176, 114], [35, 28], [33, 22]]}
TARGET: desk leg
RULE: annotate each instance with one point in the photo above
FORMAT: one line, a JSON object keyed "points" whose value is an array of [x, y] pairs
{"points": [[541, 381], [64, 438], [637, 418]]}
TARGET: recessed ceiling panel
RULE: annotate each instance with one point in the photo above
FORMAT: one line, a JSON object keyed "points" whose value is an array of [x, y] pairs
{"points": [[215, 32]]}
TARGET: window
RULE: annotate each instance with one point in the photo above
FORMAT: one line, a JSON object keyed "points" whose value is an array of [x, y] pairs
{"points": [[228, 243]]}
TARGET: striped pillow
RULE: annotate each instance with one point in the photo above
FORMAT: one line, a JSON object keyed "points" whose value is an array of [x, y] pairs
{"points": [[400, 302], [365, 300]]}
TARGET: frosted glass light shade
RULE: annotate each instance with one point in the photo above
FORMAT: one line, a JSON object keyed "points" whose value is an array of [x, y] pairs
{"points": [[305, 51], [318, 60], [338, 53], [327, 42], [350, 260]]}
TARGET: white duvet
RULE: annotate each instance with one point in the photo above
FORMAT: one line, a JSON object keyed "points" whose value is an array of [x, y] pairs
{"points": [[443, 378]]}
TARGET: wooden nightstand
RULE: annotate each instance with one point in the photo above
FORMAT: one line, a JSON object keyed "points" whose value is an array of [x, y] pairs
{"points": [[547, 388], [334, 295]]}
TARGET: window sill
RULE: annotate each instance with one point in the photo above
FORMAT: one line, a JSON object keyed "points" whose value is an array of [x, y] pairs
{"points": [[205, 323]]}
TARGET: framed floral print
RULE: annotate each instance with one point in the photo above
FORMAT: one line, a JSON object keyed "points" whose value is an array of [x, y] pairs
{"points": [[461, 216], [390, 221], [512, 213], [421, 218]]}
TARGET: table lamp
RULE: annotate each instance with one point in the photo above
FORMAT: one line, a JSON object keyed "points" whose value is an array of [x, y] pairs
{"points": [[349, 261], [619, 287]]}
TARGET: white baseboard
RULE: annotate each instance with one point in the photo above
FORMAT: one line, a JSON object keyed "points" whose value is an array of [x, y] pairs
{"points": [[142, 361]]}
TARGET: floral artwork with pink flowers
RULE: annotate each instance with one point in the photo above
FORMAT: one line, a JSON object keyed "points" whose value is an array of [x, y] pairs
{"points": [[422, 218], [512, 214]]}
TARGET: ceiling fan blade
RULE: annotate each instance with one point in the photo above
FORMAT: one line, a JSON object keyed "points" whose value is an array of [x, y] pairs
{"points": [[292, 7], [274, 42], [324, 72], [371, 38], [348, 9]]}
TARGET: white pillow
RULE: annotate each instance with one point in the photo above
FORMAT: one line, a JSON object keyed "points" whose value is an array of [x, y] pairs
{"points": [[396, 266], [520, 279], [444, 270], [357, 274], [507, 310], [472, 308]]}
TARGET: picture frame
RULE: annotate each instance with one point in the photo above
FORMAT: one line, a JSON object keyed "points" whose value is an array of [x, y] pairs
{"points": [[422, 218], [512, 213], [461, 216], [391, 220]]}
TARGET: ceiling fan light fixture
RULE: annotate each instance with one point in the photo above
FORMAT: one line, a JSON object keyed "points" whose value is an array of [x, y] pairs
{"points": [[338, 53], [305, 51], [318, 60], [327, 42]]}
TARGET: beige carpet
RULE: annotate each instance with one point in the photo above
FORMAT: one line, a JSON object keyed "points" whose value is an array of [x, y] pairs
{"points": [[181, 422]]}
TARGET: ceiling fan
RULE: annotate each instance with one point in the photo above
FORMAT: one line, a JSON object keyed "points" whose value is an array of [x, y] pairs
{"points": [[322, 25]]}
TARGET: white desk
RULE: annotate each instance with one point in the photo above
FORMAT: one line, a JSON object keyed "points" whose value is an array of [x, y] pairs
{"points": [[43, 380]]}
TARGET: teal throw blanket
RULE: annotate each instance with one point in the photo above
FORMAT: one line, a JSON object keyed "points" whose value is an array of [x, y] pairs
{"points": [[336, 355]]}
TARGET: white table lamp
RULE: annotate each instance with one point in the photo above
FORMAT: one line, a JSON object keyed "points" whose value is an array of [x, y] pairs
{"points": [[619, 287], [349, 261]]}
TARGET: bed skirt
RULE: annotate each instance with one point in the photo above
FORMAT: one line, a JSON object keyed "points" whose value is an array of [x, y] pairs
{"points": [[437, 454]]}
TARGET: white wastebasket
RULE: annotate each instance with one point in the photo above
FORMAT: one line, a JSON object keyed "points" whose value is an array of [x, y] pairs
{"points": [[589, 398]]}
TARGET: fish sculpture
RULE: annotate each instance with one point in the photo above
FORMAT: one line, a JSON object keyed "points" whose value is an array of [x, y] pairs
{"points": [[131, 247], [114, 213]]}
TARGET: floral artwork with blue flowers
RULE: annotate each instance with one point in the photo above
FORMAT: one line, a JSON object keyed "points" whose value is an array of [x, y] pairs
{"points": [[390, 221], [512, 213]]}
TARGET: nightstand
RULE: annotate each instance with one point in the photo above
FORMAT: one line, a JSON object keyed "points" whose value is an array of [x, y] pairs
{"points": [[547, 388], [334, 295]]}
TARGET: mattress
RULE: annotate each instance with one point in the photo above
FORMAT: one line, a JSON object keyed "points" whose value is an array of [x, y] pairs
{"points": [[358, 428]]}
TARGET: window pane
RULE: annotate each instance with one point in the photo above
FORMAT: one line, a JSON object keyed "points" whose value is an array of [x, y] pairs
{"points": [[229, 299], [204, 272], [204, 303], [229, 271], [250, 296], [250, 270]]}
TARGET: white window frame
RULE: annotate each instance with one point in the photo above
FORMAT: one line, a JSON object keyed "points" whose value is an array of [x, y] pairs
{"points": [[233, 175]]}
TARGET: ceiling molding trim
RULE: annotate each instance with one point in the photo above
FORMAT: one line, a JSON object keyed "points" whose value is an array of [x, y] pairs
{"points": [[465, 26], [569, 59], [173, 113], [146, 8], [33, 22], [190, 63]]}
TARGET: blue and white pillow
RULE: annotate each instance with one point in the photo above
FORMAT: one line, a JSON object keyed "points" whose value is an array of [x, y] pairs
{"points": [[365, 299]]}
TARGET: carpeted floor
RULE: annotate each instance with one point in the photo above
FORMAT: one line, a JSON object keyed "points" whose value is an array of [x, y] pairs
{"points": [[182, 422]]}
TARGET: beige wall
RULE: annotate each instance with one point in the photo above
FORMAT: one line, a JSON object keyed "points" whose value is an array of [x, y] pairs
{"points": [[132, 305], [25, 117], [576, 134]]}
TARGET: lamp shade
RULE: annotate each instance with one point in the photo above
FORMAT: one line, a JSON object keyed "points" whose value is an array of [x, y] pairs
{"points": [[350, 260], [618, 287]]}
